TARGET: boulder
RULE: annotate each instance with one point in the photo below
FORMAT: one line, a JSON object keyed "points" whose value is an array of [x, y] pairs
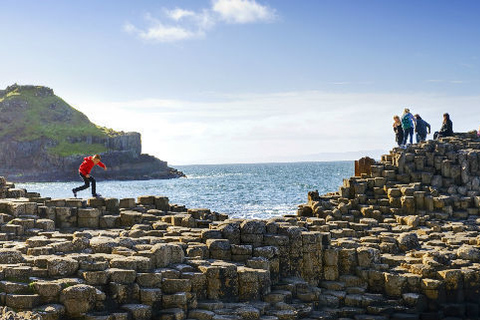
{"points": [[469, 252], [61, 266], [10, 256], [408, 241], [78, 299]]}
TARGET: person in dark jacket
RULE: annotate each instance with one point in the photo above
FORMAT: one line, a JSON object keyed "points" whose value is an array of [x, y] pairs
{"points": [[397, 128], [447, 128], [421, 127]]}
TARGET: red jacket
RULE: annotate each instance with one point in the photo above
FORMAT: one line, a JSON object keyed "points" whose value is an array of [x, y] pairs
{"points": [[87, 165]]}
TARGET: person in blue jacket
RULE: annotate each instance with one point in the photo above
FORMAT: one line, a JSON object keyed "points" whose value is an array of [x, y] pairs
{"points": [[421, 127], [408, 123]]}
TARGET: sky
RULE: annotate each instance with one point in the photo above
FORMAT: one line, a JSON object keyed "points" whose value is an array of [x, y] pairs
{"points": [[242, 81]]}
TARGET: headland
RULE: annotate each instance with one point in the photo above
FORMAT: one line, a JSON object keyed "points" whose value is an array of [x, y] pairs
{"points": [[42, 138], [398, 241]]}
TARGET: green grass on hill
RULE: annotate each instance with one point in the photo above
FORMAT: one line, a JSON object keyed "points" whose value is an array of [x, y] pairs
{"points": [[26, 117]]}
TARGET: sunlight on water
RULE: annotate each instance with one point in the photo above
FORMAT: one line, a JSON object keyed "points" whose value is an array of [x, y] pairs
{"points": [[241, 190]]}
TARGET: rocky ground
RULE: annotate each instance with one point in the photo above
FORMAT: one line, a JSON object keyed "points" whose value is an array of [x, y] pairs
{"points": [[398, 242]]}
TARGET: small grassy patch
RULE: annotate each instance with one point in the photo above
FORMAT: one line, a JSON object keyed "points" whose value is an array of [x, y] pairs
{"points": [[67, 149]]}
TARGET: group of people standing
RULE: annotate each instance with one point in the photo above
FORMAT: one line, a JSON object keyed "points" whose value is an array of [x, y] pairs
{"points": [[405, 126]]}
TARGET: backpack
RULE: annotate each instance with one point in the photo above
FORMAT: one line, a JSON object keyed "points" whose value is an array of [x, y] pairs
{"points": [[406, 121]]}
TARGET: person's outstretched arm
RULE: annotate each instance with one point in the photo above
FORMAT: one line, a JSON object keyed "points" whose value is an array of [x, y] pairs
{"points": [[102, 165]]}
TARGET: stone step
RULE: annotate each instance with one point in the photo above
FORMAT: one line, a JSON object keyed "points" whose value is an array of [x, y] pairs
{"points": [[15, 229], [51, 311], [11, 287], [278, 296], [17, 273], [142, 311], [6, 236], [404, 316], [22, 301]]}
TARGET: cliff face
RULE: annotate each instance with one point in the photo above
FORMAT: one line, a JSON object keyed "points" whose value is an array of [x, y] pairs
{"points": [[42, 138]]}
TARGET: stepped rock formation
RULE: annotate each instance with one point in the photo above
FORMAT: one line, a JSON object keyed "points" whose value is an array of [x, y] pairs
{"points": [[399, 243], [42, 138]]}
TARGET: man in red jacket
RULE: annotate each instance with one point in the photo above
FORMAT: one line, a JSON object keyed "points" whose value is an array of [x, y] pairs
{"points": [[84, 171]]}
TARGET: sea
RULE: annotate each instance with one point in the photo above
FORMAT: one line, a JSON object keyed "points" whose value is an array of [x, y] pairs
{"points": [[259, 191]]}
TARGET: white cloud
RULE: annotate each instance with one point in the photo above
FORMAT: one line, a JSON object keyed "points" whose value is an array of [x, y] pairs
{"points": [[181, 24], [164, 33], [273, 127], [130, 28], [243, 11], [160, 32], [178, 14]]}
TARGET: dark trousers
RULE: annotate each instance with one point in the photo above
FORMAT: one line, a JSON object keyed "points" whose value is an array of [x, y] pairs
{"points": [[399, 139], [87, 184], [421, 137]]}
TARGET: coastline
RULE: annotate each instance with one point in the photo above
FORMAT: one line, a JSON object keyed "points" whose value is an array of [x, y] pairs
{"points": [[399, 243], [254, 191]]}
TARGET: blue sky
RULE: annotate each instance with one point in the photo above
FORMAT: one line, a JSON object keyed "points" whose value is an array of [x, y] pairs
{"points": [[250, 80]]}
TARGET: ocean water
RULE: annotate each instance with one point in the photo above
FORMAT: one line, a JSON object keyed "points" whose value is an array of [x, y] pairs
{"points": [[240, 190]]}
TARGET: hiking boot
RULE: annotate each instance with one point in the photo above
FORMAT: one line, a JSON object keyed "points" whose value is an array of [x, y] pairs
{"points": [[74, 193], [96, 195]]}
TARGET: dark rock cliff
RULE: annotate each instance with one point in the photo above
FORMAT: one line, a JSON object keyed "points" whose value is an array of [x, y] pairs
{"points": [[44, 139]]}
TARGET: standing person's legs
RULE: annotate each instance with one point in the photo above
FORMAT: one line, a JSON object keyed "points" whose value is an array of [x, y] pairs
{"points": [[410, 131], [421, 137]]}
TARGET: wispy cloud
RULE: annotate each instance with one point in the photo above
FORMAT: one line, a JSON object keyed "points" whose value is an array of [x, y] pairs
{"points": [[178, 14], [446, 81], [157, 31], [348, 83], [181, 24], [243, 11]]}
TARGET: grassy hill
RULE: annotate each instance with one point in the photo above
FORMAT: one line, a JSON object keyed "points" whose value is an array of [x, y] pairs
{"points": [[29, 113], [43, 138]]}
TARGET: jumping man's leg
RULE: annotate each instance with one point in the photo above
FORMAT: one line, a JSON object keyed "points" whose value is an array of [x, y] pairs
{"points": [[94, 185], [85, 186]]}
